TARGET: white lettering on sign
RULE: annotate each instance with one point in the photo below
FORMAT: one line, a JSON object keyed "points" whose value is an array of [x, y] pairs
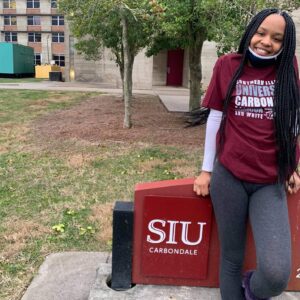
{"points": [[298, 273], [171, 231], [157, 231], [184, 233], [178, 251]]}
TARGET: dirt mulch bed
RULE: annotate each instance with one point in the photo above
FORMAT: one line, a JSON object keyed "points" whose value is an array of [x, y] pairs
{"points": [[101, 119]]}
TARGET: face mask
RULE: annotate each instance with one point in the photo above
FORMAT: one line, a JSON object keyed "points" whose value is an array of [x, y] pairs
{"points": [[259, 61]]}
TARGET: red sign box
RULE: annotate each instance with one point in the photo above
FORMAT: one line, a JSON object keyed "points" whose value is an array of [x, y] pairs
{"points": [[175, 237], [172, 204]]}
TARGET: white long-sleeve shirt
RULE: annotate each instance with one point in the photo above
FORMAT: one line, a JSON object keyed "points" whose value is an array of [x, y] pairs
{"points": [[210, 146]]}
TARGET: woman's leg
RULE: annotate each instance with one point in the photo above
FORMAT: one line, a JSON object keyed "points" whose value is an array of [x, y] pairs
{"points": [[270, 224], [230, 202]]}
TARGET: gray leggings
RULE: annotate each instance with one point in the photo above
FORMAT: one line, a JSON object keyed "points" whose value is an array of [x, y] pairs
{"points": [[265, 204]]}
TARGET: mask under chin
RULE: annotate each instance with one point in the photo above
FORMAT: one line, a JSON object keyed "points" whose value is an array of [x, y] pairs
{"points": [[261, 61]]}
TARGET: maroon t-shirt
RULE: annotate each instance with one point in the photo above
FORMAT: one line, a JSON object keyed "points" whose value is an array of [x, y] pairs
{"points": [[250, 144]]}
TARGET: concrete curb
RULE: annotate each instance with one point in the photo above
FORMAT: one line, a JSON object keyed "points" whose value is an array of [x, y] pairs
{"points": [[84, 275], [66, 276], [100, 291]]}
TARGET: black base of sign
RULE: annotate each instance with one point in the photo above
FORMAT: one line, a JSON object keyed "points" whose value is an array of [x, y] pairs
{"points": [[55, 76], [122, 246]]}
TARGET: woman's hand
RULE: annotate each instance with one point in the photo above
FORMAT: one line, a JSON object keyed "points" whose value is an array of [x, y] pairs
{"points": [[293, 185], [202, 182]]}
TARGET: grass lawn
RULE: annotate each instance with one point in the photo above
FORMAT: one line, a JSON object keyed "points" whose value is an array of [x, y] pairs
{"points": [[59, 196]]}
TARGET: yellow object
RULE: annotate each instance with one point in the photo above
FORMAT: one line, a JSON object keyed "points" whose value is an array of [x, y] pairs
{"points": [[43, 71], [72, 74]]}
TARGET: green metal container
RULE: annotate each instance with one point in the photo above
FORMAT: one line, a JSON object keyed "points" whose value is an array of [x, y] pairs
{"points": [[16, 59]]}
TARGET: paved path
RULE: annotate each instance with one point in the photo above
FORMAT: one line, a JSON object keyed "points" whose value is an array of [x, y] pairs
{"points": [[84, 275]]}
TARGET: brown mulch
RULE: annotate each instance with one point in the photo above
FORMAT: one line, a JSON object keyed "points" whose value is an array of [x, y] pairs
{"points": [[101, 118]]}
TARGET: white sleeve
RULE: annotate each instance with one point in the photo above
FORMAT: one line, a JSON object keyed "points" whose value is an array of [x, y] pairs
{"points": [[212, 127]]}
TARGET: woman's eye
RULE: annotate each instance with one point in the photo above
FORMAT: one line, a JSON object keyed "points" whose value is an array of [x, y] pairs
{"points": [[260, 33]]}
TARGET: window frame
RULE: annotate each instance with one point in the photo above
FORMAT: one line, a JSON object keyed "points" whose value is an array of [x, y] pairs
{"points": [[37, 59], [9, 4], [9, 17], [13, 37], [36, 37], [53, 3], [29, 18], [58, 37], [61, 59], [59, 20], [33, 4]]}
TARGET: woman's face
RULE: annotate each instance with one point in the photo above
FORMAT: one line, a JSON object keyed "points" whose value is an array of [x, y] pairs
{"points": [[268, 39]]}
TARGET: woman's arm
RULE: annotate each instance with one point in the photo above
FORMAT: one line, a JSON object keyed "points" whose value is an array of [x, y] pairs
{"points": [[202, 182]]}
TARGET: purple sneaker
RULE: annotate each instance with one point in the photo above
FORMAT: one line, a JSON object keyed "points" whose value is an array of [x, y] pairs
{"points": [[246, 285]]}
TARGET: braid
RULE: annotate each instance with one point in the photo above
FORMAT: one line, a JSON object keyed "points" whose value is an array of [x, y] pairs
{"points": [[286, 94], [287, 104]]}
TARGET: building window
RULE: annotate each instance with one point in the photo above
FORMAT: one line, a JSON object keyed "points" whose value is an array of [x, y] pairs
{"points": [[9, 4], [10, 37], [58, 20], [34, 20], [34, 37], [33, 3], [59, 60], [58, 37], [53, 3], [10, 20], [37, 58]]}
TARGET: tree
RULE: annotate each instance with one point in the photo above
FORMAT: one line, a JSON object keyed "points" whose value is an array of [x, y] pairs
{"points": [[122, 26], [188, 23]]}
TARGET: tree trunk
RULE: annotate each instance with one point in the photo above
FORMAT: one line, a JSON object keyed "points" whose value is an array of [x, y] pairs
{"points": [[130, 70], [121, 68], [128, 62], [120, 63], [195, 50]]}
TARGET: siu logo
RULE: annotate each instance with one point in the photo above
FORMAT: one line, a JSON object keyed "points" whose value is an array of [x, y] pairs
{"points": [[165, 231]]}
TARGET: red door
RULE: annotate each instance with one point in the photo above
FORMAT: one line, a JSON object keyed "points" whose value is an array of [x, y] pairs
{"points": [[175, 67]]}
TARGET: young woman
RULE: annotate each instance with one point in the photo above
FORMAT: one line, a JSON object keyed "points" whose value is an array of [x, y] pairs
{"points": [[251, 156]]}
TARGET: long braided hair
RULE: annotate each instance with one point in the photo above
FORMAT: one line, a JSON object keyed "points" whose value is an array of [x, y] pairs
{"points": [[286, 94]]}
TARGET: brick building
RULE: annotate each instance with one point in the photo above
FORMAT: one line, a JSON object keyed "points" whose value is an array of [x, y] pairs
{"points": [[34, 23]]}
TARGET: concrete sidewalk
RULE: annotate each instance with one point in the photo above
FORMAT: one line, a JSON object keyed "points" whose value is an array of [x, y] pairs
{"points": [[84, 276], [66, 86], [174, 99], [66, 276]]}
